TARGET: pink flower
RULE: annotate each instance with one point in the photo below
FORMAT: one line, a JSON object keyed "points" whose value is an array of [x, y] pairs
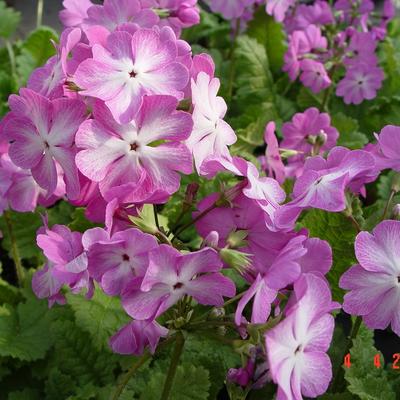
{"points": [[115, 261], [307, 132], [130, 67], [75, 12], [314, 75], [19, 189], [323, 183], [170, 276], [362, 49], [361, 82], [211, 134], [297, 346], [117, 12], [127, 156], [374, 283], [278, 8], [274, 163], [49, 80], [230, 9], [67, 263], [134, 337], [389, 146], [43, 132]]}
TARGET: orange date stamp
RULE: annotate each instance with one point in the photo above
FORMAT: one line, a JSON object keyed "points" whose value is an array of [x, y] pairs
{"points": [[376, 361]]}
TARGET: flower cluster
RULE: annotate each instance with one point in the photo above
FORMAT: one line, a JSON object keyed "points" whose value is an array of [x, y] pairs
{"points": [[124, 109], [334, 44]]}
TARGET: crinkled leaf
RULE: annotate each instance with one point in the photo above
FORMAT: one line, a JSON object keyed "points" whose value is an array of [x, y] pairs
{"points": [[349, 136], [338, 230], [24, 330], [9, 20], [100, 316]]}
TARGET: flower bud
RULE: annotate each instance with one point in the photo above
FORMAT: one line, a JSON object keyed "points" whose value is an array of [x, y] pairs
{"points": [[190, 195], [145, 221], [321, 138], [396, 183], [211, 240], [396, 212], [235, 259]]}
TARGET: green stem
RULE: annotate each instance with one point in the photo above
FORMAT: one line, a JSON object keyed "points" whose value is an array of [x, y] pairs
{"points": [[13, 64], [392, 193], [14, 250], [169, 380], [337, 384], [156, 217], [142, 360], [39, 13], [193, 221], [232, 59], [131, 372]]}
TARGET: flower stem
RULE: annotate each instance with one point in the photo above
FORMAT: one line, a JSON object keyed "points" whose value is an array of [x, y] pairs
{"points": [[13, 64], [193, 221], [14, 250], [337, 384], [39, 13], [392, 193], [169, 380], [156, 217], [142, 360]]}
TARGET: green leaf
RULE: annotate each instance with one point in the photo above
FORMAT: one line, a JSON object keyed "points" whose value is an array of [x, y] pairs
{"points": [[306, 99], [75, 355], [215, 357], [190, 383], [100, 316], [36, 50], [348, 132], [25, 226], [59, 385], [9, 20], [24, 331], [25, 394], [338, 230], [79, 221], [363, 378], [270, 34]]}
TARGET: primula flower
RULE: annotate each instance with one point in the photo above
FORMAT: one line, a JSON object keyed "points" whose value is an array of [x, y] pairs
{"points": [[67, 263], [130, 67], [170, 276], [20, 190], [134, 337], [361, 82], [43, 132], [75, 11], [49, 80], [278, 8], [117, 12], [314, 75], [211, 134], [307, 132], [229, 9], [273, 161], [115, 261], [389, 146], [323, 183], [374, 283], [129, 156], [297, 346], [362, 49]]}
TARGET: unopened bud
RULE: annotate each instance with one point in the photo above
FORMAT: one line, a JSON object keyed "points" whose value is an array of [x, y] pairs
{"points": [[321, 138], [235, 259], [73, 87], [211, 240], [217, 313], [396, 212], [229, 195], [312, 139], [190, 195], [286, 153], [396, 183], [145, 220], [236, 239]]}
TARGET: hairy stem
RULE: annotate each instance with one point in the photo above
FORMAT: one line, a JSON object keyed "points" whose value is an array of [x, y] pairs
{"points": [[169, 380], [39, 13], [135, 367], [193, 221], [14, 249], [338, 382], [389, 201], [13, 64]]}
